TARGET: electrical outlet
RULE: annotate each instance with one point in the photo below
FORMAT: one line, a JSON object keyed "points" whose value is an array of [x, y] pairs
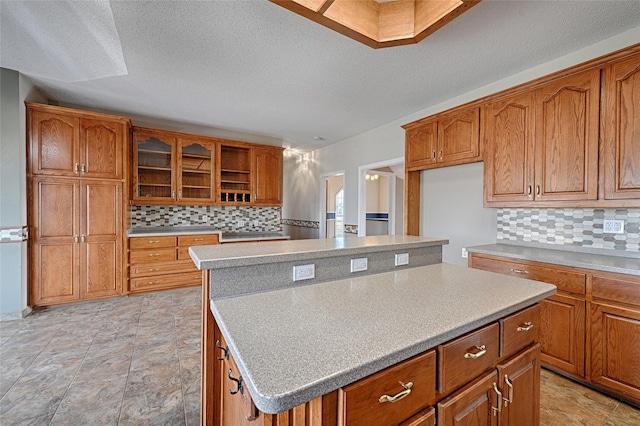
{"points": [[402, 259], [304, 272], [256, 223], [465, 253], [205, 218], [241, 224], [359, 264], [611, 226]]}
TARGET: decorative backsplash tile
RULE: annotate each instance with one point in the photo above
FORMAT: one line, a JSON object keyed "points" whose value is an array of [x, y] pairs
{"points": [[301, 223], [224, 218], [574, 227]]}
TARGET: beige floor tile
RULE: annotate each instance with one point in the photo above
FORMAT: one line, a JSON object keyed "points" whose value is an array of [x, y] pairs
{"points": [[624, 415]]}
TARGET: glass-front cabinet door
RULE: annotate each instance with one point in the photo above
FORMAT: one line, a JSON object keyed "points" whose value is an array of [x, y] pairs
{"points": [[154, 163], [195, 171]]}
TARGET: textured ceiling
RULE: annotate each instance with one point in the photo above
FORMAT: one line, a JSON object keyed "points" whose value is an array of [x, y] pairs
{"points": [[254, 67]]}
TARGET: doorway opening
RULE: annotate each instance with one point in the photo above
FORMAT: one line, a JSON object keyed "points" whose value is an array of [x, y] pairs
{"points": [[332, 206], [381, 198]]}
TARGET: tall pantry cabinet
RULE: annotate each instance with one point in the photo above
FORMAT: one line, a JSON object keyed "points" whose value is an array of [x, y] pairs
{"points": [[76, 182]]}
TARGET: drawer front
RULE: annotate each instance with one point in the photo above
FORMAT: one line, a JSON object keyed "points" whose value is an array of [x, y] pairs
{"points": [[464, 359], [152, 256], [363, 402], [183, 254], [137, 243], [197, 240], [519, 330], [145, 270], [165, 281], [571, 282], [617, 288]]}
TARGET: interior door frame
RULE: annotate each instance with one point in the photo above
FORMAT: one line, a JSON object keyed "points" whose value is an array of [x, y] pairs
{"points": [[362, 195], [322, 232]]}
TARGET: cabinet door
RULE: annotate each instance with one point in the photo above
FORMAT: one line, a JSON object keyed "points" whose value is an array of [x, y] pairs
{"points": [[268, 176], [459, 136], [621, 129], [195, 171], [566, 138], [54, 241], [562, 333], [509, 155], [615, 348], [153, 169], [421, 145], [101, 239], [475, 405], [520, 385], [55, 146], [101, 149]]}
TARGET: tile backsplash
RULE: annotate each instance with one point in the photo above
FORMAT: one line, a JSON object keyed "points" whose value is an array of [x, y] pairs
{"points": [[223, 218], [574, 227]]}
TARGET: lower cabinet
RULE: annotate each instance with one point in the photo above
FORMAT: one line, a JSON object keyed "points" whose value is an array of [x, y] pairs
{"points": [[589, 333]]}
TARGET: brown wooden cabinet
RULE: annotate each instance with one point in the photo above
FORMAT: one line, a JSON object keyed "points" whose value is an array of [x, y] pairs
{"points": [[472, 406], [443, 140], [620, 129], [154, 165], [76, 209], [267, 175], [195, 175], [235, 169]]}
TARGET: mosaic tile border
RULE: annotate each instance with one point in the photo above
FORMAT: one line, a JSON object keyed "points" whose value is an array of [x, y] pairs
{"points": [[301, 223], [569, 227], [223, 218], [350, 229]]}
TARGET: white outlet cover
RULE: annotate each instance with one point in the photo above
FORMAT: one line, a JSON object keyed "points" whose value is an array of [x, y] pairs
{"points": [[304, 272], [402, 259], [358, 265], [613, 226]]}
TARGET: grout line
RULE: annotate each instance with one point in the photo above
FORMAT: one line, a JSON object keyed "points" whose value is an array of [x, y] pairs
{"points": [[133, 348]]}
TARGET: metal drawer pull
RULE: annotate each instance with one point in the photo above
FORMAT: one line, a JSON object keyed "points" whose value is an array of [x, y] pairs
{"points": [[529, 191], [398, 397], [498, 409], [510, 386], [75, 168], [153, 282], [154, 254], [527, 326], [154, 241], [238, 383], [154, 269], [481, 351], [223, 349], [520, 271], [198, 239]]}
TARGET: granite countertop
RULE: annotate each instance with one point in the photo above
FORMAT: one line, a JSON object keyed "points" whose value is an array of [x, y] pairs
{"points": [[216, 256], [225, 237], [596, 261], [295, 344]]}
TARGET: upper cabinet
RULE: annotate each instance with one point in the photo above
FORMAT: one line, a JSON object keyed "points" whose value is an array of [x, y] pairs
{"points": [[443, 140], [178, 168], [621, 129], [75, 145]]}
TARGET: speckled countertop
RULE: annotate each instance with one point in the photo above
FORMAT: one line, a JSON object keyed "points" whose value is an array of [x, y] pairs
{"points": [[295, 344], [225, 237], [215, 256], [597, 261]]}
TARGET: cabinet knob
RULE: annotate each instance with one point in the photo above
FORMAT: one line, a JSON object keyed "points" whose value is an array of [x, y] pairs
{"points": [[473, 355], [398, 397]]}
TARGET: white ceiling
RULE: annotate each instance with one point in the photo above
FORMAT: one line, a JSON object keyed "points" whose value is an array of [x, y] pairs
{"points": [[251, 66]]}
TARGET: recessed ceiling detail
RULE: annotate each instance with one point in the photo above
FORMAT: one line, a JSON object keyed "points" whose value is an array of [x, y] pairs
{"points": [[381, 23]]}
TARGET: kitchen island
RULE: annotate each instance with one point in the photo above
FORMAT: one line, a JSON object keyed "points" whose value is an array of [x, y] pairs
{"points": [[300, 346]]}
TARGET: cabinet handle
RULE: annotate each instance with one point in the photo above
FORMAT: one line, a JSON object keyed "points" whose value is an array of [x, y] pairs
{"points": [[433, 155], [180, 194], [510, 386], [154, 269], [238, 383], [154, 254], [153, 282], [83, 169], [527, 326], [75, 239], [520, 271], [529, 191], [441, 154], [481, 351], [82, 238], [154, 241], [497, 409], [198, 239], [173, 195], [537, 189], [223, 349], [398, 397], [75, 168]]}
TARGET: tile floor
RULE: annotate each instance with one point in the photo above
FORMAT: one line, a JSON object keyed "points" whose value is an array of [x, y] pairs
{"points": [[136, 361]]}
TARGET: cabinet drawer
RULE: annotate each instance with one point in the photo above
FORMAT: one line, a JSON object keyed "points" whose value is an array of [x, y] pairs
{"points": [[137, 243], [183, 254], [197, 240], [360, 403], [465, 358], [568, 281], [165, 281], [617, 288], [519, 330], [144, 270], [146, 256]]}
